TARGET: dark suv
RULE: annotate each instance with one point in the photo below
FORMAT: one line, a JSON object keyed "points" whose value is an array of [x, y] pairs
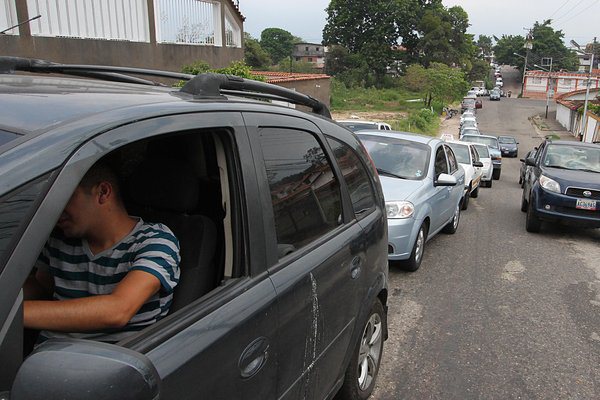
{"points": [[563, 185], [279, 215]]}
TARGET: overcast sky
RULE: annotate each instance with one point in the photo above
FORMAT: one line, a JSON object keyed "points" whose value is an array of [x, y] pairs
{"points": [[578, 19]]}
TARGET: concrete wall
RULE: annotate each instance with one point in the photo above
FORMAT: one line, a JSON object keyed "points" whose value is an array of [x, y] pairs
{"points": [[593, 122], [563, 116], [170, 57], [320, 89]]}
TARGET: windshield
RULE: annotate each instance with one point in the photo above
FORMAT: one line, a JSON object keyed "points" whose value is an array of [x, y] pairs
{"points": [[573, 157], [357, 126], [505, 139], [461, 152], [482, 151], [398, 157], [490, 141]]}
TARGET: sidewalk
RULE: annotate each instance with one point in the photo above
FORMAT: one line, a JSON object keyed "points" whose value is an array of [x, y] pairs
{"points": [[550, 127]]}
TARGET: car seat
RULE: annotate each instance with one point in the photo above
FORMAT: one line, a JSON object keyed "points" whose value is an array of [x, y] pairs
{"points": [[166, 190]]}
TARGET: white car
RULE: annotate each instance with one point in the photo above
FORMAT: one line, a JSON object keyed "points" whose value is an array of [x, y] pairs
{"points": [[468, 118], [467, 157], [488, 168], [499, 82], [479, 91], [359, 125], [468, 130]]}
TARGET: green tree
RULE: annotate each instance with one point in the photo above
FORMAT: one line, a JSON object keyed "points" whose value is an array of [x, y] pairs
{"points": [[445, 84], [369, 28], [254, 55], [550, 43], [485, 45], [278, 42], [479, 71], [290, 65], [416, 79], [505, 48]]}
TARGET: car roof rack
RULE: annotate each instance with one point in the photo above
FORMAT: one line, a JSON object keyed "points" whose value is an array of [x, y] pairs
{"points": [[206, 85]]}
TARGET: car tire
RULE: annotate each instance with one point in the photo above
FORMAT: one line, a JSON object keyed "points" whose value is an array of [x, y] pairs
{"points": [[489, 183], [362, 371], [496, 174], [416, 255], [452, 226], [465, 200], [532, 222], [475, 193], [521, 180], [523, 202]]}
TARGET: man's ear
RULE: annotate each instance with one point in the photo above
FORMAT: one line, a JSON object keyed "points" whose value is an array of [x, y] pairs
{"points": [[105, 192]]}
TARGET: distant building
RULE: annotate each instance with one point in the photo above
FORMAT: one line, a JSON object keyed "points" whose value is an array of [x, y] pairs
{"points": [[567, 114], [317, 86], [313, 53], [539, 84]]}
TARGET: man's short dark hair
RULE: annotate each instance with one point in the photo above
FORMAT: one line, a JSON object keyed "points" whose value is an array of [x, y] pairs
{"points": [[101, 171]]}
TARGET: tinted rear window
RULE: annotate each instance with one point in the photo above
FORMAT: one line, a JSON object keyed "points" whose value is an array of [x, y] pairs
{"points": [[492, 142]]}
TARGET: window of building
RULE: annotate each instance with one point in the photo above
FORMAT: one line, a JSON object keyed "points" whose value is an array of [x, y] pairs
{"points": [[306, 48], [304, 192]]}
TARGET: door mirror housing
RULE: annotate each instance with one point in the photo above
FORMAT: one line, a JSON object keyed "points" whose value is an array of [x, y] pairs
{"points": [[446, 180], [530, 161], [478, 164], [81, 369]]}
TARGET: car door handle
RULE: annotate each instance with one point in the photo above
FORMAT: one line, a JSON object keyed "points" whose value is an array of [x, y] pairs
{"points": [[254, 357], [355, 268]]}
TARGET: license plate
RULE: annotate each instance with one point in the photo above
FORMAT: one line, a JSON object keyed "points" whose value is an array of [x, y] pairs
{"points": [[585, 204]]}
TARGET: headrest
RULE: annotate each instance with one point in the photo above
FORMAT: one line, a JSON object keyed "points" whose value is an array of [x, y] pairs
{"points": [[165, 184]]}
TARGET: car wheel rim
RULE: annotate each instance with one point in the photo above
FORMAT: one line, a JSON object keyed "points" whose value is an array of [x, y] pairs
{"points": [[456, 217], [419, 248], [370, 352]]}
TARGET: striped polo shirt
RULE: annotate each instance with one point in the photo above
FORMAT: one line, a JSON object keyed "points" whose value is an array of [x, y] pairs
{"points": [[77, 273]]}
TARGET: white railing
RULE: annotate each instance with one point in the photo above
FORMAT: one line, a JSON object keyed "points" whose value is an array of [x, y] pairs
{"points": [[188, 22], [233, 33], [8, 17], [91, 19]]}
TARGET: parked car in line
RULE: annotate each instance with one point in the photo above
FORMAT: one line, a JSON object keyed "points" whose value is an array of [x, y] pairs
{"points": [[468, 103], [508, 146], [478, 90], [495, 95], [499, 81], [563, 185], [359, 125], [467, 157], [468, 117], [487, 171], [467, 124], [478, 104], [468, 130], [272, 207], [492, 143], [524, 169], [423, 188]]}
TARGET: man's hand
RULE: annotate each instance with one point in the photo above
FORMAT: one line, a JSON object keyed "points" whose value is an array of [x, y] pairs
{"points": [[114, 310]]}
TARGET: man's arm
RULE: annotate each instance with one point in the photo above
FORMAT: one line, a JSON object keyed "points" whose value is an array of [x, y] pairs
{"points": [[114, 310]]}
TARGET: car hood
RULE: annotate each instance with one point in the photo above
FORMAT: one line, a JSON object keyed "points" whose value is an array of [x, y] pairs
{"points": [[395, 189], [571, 178]]}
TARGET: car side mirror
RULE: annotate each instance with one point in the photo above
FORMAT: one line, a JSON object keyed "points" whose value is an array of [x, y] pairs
{"points": [[478, 164], [530, 161], [81, 369], [445, 180]]}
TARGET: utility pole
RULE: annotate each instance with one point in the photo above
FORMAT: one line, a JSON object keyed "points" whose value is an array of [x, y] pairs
{"points": [[550, 87], [584, 135], [528, 45]]}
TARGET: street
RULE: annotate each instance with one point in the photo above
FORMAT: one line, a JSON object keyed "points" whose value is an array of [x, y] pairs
{"points": [[495, 312]]}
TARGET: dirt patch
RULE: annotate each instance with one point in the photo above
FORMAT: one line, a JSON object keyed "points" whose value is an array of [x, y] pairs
{"points": [[377, 116]]}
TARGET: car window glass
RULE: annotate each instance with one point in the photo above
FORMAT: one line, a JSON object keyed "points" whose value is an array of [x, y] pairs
{"points": [[572, 157], [461, 152], [474, 154], [304, 192], [13, 210], [404, 158], [451, 160], [482, 151], [355, 175], [441, 166]]}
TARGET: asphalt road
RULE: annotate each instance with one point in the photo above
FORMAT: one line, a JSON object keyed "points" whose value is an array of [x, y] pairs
{"points": [[495, 312]]}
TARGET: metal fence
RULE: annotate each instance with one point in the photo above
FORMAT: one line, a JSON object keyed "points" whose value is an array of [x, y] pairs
{"points": [[92, 19], [233, 33], [188, 22], [8, 17]]}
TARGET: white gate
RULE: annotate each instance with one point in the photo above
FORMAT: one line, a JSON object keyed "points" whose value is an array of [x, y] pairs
{"points": [[91, 19], [8, 17], [188, 22]]}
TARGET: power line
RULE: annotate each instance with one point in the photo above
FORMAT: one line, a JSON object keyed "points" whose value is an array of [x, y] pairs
{"points": [[570, 11], [558, 9], [581, 12]]}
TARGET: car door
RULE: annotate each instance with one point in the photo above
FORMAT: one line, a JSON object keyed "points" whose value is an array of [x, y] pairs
{"points": [[316, 253], [440, 200], [478, 170], [223, 345], [455, 170], [532, 172]]}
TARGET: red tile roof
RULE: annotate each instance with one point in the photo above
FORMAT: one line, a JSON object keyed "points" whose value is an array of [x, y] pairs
{"points": [[279, 77], [545, 74], [575, 104]]}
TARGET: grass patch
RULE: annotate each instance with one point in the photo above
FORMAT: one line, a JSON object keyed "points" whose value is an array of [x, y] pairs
{"points": [[422, 121], [360, 99]]}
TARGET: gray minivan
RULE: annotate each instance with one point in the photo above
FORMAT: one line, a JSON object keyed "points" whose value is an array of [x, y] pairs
{"points": [[279, 214]]}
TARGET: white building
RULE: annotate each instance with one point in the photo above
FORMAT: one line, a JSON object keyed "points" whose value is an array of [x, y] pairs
{"points": [[539, 84]]}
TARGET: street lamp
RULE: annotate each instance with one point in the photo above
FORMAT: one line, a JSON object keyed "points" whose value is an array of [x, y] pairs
{"points": [[587, 90]]}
